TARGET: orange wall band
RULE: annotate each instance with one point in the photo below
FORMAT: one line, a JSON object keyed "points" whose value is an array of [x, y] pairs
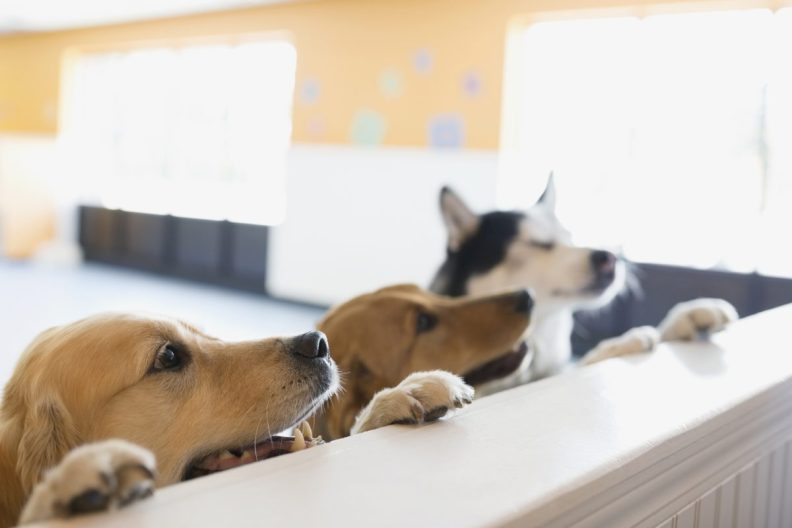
{"points": [[353, 56]]}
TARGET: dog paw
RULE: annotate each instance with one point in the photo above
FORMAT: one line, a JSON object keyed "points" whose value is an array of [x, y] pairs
{"points": [[634, 341], [696, 319], [95, 477], [422, 397]]}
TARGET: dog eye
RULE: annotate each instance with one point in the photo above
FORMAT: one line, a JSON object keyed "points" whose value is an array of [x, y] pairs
{"points": [[425, 322], [546, 246], [168, 358]]}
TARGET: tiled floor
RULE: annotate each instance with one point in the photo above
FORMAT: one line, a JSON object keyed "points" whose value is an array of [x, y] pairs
{"points": [[36, 297]]}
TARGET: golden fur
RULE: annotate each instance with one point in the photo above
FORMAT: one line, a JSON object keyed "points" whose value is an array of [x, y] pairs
{"points": [[376, 344], [94, 380]]}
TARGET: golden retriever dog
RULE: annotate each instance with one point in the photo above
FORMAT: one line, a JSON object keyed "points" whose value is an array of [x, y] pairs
{"points": [[405, 333], [93, 404]]}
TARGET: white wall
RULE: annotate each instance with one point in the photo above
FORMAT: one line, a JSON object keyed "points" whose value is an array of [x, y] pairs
{"points": [[357, 218], [362, 218], [26, 155], [27, 202]]}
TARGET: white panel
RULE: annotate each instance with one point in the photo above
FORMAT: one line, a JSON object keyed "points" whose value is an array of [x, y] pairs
{"points": [[761, 491], [727, 502], [786, 516], [755, 495], [776, 491], [745, 496], [707, 510], [358, 218], [687, 517]]}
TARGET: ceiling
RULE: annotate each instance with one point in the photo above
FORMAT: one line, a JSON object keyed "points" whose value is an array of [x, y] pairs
{"points": [[47, 15]]}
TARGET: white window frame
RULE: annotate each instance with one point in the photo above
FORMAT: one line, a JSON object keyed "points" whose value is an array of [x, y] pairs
{"points": [[516, 188], [256, 196]]}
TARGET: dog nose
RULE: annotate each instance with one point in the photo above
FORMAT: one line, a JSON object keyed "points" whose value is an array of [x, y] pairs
{"points": [[603, 261], [524, 302], [311, 345]]}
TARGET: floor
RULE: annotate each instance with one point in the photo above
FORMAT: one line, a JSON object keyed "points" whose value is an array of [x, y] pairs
{"points": [[36, 297]]}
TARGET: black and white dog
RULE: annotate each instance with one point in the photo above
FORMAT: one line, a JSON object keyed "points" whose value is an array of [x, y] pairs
{"points": [[503, 250]]}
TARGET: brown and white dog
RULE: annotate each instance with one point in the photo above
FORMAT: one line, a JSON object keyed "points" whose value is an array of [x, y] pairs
{"points": [[92, 405], [405, 333]]}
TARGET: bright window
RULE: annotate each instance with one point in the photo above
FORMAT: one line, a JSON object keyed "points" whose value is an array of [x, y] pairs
{"points": [[196, 131], [667, 134]]}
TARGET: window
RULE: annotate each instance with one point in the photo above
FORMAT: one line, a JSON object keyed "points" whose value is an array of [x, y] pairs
{"points": [[667, 133], [197, 131]]}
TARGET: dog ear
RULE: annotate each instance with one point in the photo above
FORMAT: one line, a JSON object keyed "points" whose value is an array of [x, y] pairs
{"points": [[406, 288], [460, 220], [548, 198], [48, 434]]}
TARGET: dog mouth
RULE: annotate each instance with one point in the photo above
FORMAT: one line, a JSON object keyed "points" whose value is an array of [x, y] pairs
{"points": [[271, 447], [601, 282], [499, 367], [595, 288]]}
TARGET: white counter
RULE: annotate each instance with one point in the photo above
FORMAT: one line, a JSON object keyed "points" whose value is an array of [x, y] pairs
{"points": [[699, 430]]}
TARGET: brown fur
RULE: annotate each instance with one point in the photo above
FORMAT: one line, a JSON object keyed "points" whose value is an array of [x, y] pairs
{"points": [[375, 343], [92, 380]]}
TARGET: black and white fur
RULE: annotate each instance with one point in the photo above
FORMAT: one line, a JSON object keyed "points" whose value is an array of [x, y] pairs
{"points": [[503, 250]]}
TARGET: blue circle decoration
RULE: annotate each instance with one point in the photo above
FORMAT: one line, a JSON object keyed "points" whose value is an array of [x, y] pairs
{"points": [[310, 91], [446, 131], [471, 84], [423, 61], [391, 83], [368, 127]]}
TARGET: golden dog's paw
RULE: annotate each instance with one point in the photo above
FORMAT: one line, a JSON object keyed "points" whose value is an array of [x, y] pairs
{"points": [[95, 477], [422, 397], [634, 341], [696, 319]]}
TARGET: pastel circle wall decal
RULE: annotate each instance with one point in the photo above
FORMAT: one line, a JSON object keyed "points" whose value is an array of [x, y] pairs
{"points": [[391, 83], [471, 84], [446, 131], [368, 127], [315, 127], [310, 91], [423, 61]]}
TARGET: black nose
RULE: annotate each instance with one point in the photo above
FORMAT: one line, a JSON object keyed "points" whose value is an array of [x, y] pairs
{"points": [[603, 261], [311, 345], [524, 302]]}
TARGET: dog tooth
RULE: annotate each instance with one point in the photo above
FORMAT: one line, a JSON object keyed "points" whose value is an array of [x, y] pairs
{"points": [[299, 441], [305, 429], [225, 455]]}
